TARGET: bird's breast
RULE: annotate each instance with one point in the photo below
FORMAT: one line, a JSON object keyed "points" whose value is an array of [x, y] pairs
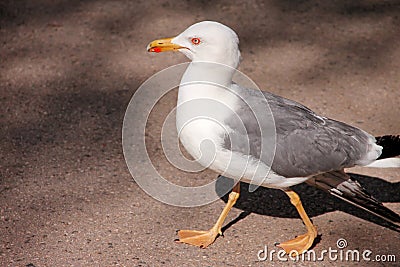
{"points": [[202, 138]]}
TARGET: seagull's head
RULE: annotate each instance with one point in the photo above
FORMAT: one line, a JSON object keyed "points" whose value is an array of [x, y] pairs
{"points": [[207, 41]]}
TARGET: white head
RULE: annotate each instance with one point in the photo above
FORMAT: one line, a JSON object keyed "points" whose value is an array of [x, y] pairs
{"points": [[208, 41]]}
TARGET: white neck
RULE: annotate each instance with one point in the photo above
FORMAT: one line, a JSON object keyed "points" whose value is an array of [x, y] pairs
{"points": [[205, 90], [205, 80], [205, 100]]}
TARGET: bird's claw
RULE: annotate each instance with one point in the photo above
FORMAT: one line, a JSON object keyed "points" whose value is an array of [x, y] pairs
{"points": [[200, 239]]}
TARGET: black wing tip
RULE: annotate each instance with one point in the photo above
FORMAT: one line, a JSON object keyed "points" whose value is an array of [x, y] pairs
{"points": [[344, 187], [390, 144], [372, 206], [352, 191]]}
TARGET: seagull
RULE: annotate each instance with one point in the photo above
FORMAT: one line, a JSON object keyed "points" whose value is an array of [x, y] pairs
{"points": [[308, 147]]}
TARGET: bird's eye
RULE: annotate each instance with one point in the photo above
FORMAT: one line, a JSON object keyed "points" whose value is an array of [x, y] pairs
{"points": [[196, 41]]}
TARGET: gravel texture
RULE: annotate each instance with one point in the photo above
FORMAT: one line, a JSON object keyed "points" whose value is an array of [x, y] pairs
{"points": [[67, 72]]}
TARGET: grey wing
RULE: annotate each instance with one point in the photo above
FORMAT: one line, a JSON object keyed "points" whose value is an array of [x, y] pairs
{"points": [[306, 144]]}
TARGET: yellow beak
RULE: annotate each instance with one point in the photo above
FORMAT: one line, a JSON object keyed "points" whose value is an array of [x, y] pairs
{"points": [[162, 45]]}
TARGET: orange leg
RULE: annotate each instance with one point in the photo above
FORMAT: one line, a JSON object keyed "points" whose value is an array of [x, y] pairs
{"points": [[301, 243], [205, 238]]}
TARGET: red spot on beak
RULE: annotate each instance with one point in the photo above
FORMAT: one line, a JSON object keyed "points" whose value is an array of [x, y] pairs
{"points": [[155, 49]]}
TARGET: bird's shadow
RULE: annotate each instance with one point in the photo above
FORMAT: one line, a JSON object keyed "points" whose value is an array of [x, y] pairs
{"points": [[275, 203]]}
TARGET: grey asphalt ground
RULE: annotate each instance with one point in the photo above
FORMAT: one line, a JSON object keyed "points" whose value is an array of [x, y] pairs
{"points": [[67, 72]]}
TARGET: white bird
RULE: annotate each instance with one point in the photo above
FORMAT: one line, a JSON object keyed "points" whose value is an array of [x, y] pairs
{"points": [[307, 147]]}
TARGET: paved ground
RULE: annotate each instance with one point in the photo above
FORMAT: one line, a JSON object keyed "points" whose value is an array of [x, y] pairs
{"points": [[68, 71]]}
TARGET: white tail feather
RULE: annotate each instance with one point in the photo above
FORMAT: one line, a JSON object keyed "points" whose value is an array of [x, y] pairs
{"points": [[385, 163]]}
